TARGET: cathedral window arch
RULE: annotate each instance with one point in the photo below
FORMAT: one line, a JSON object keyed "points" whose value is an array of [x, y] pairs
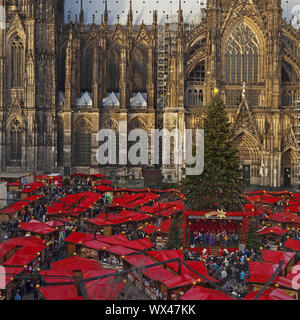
{"points": [[113, 68], [16, 138], [139, 68], [17, 61], [87, 70], [242, 55]]}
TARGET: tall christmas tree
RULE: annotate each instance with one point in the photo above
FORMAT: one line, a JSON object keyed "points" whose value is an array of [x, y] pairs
{"points": [[220, 185], [175, 237]]}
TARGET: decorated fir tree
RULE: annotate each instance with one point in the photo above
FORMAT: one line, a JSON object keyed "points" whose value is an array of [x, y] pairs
{"points": [[175, 236], [254, 241], [220, 185]]}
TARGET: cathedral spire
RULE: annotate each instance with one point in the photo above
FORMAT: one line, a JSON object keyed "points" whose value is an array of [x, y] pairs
{"points": [[130, 16], [106, 15], [180, 15], [81, 15]]}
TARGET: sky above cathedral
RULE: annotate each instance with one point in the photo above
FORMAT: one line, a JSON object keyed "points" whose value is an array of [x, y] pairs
{"points": [[143, 10]]}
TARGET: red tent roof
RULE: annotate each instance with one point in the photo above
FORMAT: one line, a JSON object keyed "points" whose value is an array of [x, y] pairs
{"points": [[139, 260], [140, 244], [115, 240], [5, 248], [293, 244], [55, 223], [96, 245], [36, 226], [57, 276], [164, 255], [61, 292], [275, 256], [77, 237], [33, 198], [179, 281], [15, 207], [273, 230], [76, 263], [19, 260], [30, 241], [103, 289], [269, 294], [284, 217], [261, 272], [158, 273], [201, 293], [31, 187], [103, 188], [119, 250]]}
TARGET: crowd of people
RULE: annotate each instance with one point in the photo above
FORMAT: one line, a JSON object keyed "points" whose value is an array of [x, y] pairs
{"points": [[227, 239]]}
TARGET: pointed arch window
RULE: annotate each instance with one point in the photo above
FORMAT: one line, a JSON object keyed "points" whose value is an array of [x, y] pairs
{"points": [[87, 70], [139, 69], [113, 69], [242, 55], [16, 133], [17, 62]]}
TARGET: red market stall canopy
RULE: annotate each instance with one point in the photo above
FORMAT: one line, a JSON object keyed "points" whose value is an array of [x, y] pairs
{"points": [[61, 292], [174, 205], [102, 289], [14, 184], [10, 273], [15, 207], [74, 204], [80, 237], [201, 293], [275, 230], [36, 226], [5, 248], [158, 273], [57, 276], [103, 188], [163, 228], [123, 217], [139, 260], [284, 217], [293, 244], [19, 260], [269, 294], [31, 187], [55, 223], [275, 257], [75, 263], [265, 199], [119, 250], [261, 272], [26, 242], [33, 198], [138, 245]]}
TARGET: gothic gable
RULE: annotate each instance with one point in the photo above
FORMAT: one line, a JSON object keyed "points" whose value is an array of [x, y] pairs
{"points": [[244, 120], [242, 8], [16, 26]]}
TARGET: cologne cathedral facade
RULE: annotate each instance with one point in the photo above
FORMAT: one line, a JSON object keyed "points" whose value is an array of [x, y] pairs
{"points": [[71, 68]]}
